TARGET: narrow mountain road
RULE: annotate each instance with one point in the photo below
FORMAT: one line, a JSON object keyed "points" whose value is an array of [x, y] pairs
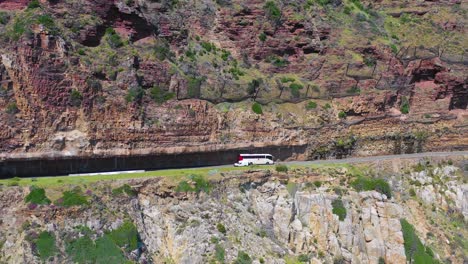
{"points": [[370, 158]]}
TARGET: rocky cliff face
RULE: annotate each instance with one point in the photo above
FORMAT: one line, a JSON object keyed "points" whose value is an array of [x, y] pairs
{"points": [[84, 78], [308, 215]]}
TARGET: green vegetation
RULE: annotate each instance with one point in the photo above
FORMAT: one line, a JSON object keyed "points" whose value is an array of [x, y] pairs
{"points": [[124, 189], [311, 105], [37, 196], [295, 87], [262, 36], [221, 228], [353, 90], [103, 250], [72, 198], [4, 18], [76, 97], [404, 107], [272, 11], [134, 94], [327, 106], [162, 51], [125, 236], [12, 108], [194, 85], [281, 168], [208, 46], [342, 114], [257, 108], [339, 209], [113, 39], [47, 21], [160, 96], [45, 245], [220, 253], [197, 184], [369, 184], [287, 79], [242, 258], [106, 249], [34, 4], [415, 251]]}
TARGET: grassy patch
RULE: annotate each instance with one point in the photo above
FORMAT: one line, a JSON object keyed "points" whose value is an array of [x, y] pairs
{"points": [[242, 258], [125, 236], [124, 190], [220, 253], [45, 245], [404, 107], [37, 196], [415, 251], [339, 209], [257, 108], [197, 184], [221, 228], [369, 184], [311, 105], [72, 198], [281, 168]]}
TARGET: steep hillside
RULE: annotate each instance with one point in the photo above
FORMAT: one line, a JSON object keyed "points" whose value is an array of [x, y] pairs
{"points": [[98, 77], [387, 212]]}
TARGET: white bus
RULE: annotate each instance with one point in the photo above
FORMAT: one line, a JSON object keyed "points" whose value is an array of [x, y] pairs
{"points": [[254, 159]]}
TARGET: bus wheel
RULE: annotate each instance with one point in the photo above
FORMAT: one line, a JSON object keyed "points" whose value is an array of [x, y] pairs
{"points": [[268, 163], [250, 163]]}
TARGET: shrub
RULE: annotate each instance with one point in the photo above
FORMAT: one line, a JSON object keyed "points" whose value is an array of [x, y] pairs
{"points": [[103, 250], [12, 108], [160, 96], [303, 258], [327, 106], [404, 107], [369, 184], [287, 79], [253, 85], [342, 114], [295, 87], [221, 228], [47, 21], [415, 251], [125, 236], [311, 105], [412, 192], [381, 260], [220, 253], [318, 184], [134, 94], [208, 46], [37, 196], [76, 97], [34, 4], [124, 189], [339, 209], [113, 39], [72, 198], [4, 18], [242, 258], [193, 86], [200, 184], [281, 168], [354, 90], [257, 108], [394, 48], [45, 245], [225, 55], [272, 11], [162, 51], [262, 36]]}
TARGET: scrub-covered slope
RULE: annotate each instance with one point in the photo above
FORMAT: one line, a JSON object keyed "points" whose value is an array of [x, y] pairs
{"points": [[94, 77], [388, 212]]}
